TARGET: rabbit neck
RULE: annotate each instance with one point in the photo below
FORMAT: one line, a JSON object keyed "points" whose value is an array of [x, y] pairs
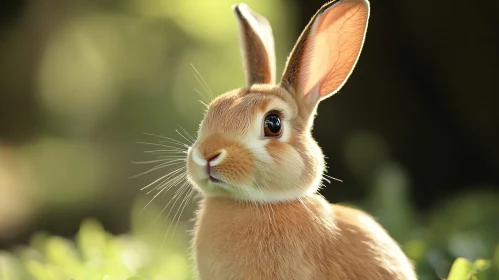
{"points": [[307, 211], [232, 237]]}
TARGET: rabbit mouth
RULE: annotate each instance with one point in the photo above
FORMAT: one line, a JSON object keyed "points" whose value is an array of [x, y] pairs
{"points": [[219, 183], [215, 180]]}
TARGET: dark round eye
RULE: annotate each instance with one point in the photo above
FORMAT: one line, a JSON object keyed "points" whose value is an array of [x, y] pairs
{"points": [[272, 125]]}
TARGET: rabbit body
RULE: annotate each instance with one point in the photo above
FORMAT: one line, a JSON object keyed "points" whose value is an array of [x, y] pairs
{"points": [[298, 240], [259, 168]]}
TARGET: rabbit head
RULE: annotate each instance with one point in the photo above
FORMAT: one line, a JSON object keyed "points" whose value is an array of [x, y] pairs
{"points": [[255, 143]]}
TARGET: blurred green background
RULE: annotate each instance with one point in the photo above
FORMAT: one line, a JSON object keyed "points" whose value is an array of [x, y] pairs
{"points": [[81, 81]]}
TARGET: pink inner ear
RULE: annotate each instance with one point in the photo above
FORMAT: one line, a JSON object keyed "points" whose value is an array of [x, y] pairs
{"points": [[333, 47]]}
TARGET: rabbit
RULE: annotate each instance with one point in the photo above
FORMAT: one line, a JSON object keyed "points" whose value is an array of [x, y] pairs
{"points": [[259, 169]]}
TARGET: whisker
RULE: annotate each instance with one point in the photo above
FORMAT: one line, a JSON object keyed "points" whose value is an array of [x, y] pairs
{"points": [[205, 105], [154, 197], [206, 98], [187, 139], [157, 144], [182, 146], [159, 166], [174, 158], [166, 138], [167, 184], [333, 178], [163, 157], [166, 206], [185, 201], [184, 188], [199, 80], [174, 150], [187, 133], [160, 186], [326, 179], [205, 86], [150, 201], [160, 178]]}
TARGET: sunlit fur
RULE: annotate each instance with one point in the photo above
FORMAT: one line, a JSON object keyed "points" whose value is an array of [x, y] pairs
{"points": [[262, 218], [264, 222], [256, 168], [296, 240]]}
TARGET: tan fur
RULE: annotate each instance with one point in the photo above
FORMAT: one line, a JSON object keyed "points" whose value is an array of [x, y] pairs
{"points": [[261, 218], [257, 44], [229, 122], [299, 240]]}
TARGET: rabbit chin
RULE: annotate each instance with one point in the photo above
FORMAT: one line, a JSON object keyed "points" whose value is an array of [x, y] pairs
{"points": [[251, 192]]}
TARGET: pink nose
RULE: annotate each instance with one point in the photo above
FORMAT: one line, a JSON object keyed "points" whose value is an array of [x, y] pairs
{"points": [[212, 158]]}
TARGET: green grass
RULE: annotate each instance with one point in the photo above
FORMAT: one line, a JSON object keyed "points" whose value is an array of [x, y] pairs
{"points": [[96, 254], [463, 269], [464, 237]]}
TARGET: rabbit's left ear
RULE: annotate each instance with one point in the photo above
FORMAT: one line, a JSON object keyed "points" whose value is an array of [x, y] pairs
{"points": [[326, 52], [257, 45]]}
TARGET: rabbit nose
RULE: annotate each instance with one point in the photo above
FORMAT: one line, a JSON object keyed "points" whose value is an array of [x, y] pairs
{"points": [[212, 158], [216, 158]]}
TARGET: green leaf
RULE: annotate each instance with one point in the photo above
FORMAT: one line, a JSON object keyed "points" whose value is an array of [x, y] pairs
{"points": [[136, 278], [481, 264], [11, 268], [91, 239], [461, 269]]}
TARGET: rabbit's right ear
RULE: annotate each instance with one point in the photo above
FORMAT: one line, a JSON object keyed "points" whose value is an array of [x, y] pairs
{"points": [[257, 45], [326, 52]]}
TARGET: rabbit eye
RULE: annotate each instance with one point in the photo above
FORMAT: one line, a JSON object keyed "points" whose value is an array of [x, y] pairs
{"points": [[272, 125]]}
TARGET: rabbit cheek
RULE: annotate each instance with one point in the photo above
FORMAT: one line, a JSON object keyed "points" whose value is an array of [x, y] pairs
{"points": [[313, 161], [286, 176], [196, 175], [233, 169], [237, 166]]}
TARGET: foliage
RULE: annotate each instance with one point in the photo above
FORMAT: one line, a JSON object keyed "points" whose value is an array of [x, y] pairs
{"points": [[107, 71], [151, 251], [145, 253], [463, 269]]}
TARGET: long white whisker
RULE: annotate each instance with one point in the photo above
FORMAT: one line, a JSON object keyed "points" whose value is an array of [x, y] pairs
{"points": [[158, 144], [184, 188], [205, 105], [204, 84], [173, 151], [198, 79], [164, 159], [160, 178], [175, 178], [206, 98], [166, 206], [185, 201], [150, 201], [162, 165], [166, 138], [187, 133], [183, 136], [170, 185], [331, 177], [156, 195], [326, 179], [166, 181]]}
